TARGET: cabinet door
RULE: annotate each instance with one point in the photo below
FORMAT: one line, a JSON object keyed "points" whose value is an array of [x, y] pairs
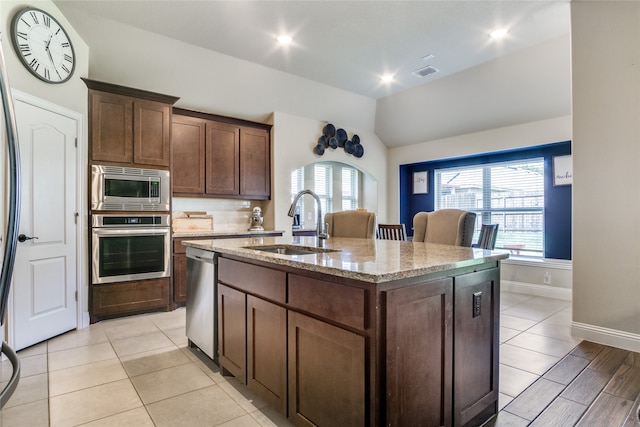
{"points": [[475, 346], [232, 332], [151, 133], [222, 160], [326, 374], [418, 354], [179, 275], [188, 137], [255, 160], [267, 352], [111, 127]]}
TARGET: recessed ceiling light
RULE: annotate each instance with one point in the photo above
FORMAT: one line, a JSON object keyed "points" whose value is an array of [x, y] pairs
{"points": [[387, 78], [499, 33], [284, 39], [427, 57]]}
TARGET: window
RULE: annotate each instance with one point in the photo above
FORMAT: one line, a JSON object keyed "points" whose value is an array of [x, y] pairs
{"points": [[337, 185], [510, 194]]}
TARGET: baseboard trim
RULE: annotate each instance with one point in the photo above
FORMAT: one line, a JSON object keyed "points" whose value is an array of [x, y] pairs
{"points": [[606, 336], [537, 290]]}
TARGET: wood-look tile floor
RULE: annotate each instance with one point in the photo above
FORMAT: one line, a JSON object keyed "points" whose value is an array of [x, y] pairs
{"points": [[138, 371]]}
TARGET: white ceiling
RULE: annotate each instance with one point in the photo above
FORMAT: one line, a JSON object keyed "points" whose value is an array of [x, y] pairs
{"points": [[348, 44]]}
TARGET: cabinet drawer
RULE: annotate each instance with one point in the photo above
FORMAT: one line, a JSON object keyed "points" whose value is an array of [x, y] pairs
{"points": [[253, 279], [341, 303]]}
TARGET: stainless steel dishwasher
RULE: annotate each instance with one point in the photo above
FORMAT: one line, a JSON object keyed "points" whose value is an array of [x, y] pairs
{"points": [[201, 313]]}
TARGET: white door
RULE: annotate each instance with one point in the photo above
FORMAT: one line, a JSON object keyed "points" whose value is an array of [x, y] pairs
{"points": [[44, 279]]}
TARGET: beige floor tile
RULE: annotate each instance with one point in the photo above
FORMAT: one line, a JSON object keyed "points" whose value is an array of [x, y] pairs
{"points": [[551, 330], [30, 389], [80, 356], [209, 406], [93, 334], [514, 381], [203, 362], [141, 343], [155, 360], [31, 365], [269, 417], [550, 346], [507, 333], [517, 323], [503, 400], [127, 327], [178, 336], [529, 311], [138, 417], [171, 320], [527, 360], [94, 403], [562, 317], [85, 376], [243, 421], [241, 394], [508, 299], [34, 414], [33, 350], [170, 382]]}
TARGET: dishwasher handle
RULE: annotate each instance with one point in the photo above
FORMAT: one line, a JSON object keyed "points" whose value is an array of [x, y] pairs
{"points": [[201, 255]]}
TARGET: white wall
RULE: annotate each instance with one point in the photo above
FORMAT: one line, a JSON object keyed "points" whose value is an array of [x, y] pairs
{"points": [[606, 152]]}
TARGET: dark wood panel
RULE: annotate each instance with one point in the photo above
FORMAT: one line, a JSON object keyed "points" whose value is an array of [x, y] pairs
{"points": [[476, 344], [232, 332], [586, 387], [567, 369], [418, 354], [560, 412], [267, 352], [111, 127], [129, 297], [609, 360], [263, 282], [534, 399], [179, 276], [255, 161], [625, 383], [222, 159], [340, 303], [188, 140], [151, 133], [607, 410], [326, 374]]}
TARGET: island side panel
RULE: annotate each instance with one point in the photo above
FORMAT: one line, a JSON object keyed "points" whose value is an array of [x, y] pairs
{"points": [[418, 330], [476, 346]]}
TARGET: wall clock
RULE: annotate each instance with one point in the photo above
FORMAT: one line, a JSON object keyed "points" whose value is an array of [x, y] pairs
{"points": [[43, 45]]}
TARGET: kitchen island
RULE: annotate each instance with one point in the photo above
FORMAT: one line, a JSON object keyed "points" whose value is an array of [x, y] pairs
{"points": [[361, 332]]}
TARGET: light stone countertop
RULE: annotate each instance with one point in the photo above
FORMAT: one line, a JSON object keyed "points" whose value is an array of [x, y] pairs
{"points": [[369, 260]]}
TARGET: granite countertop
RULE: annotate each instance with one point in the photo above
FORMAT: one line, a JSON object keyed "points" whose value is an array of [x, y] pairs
{"points": [[369, 260], [180, 234]]}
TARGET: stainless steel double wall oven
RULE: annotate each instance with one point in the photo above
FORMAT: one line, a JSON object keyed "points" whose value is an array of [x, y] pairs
{"points": [[136, 243]]}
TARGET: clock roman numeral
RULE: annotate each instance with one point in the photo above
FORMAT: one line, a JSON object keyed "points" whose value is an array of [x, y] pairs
{"points": [[67, 58], [34, 64], [25, 49], [47, 75], [66, 44], [47, 21], [64, 67], [25, 22], [23, 36], [34, 17]]}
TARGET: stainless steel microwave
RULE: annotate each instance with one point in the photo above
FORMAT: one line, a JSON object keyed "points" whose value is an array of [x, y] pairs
{"points": [[115, 188]]}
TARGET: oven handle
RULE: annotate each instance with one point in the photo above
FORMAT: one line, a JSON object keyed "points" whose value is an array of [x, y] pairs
{"points": [[131, 231]]}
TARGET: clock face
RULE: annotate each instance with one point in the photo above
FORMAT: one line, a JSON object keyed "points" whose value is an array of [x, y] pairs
{"points": [[43, 45]]}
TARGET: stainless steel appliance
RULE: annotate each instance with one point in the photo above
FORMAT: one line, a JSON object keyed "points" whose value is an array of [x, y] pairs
{"points": [[9, 217], [115, 188], [201, 315], [130, 247]]}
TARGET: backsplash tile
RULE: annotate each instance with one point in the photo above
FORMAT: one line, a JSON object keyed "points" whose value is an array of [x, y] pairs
{"points": [[228, 214]]}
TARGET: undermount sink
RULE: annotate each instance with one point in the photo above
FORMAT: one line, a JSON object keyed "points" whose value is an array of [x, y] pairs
{"points": [[290, 249]]}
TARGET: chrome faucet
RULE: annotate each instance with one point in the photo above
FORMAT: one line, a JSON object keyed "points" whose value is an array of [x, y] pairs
{"points": [[322, 236]]}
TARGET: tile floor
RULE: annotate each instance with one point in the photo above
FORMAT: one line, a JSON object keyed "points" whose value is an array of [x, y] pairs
{"points": [[138, 371]]}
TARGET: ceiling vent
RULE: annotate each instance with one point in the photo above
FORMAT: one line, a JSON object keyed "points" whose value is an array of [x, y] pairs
{"points": [[424, 72]]}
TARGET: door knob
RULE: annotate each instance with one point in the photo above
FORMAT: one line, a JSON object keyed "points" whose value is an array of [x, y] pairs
{"points": [[24, 238]]}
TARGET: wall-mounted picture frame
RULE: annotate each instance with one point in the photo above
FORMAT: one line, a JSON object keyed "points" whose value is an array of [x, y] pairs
{"points": [[421, 182], [562, 170]]}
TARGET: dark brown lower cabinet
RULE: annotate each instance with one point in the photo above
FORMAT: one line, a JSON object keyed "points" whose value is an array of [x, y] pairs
{"points": [[326, 374], [419, 333], [267, 352], [232, 332], [476, 346]]}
